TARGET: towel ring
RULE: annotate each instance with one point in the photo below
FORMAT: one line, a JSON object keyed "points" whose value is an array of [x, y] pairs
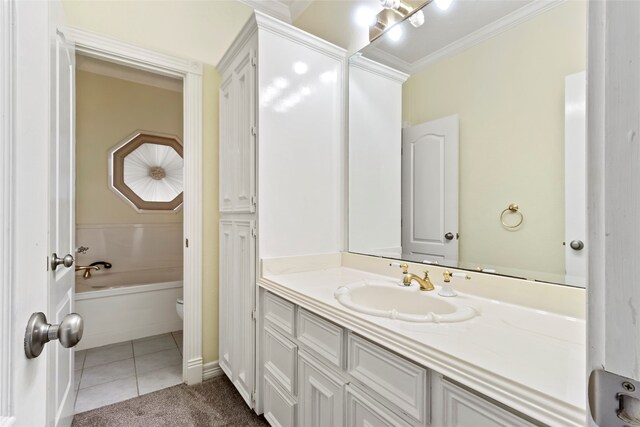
{"points": [[512, 208]]}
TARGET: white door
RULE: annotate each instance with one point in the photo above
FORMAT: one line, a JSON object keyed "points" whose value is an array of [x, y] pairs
{"points": [[62, 227], [43, 386], [575, 181], [430, 190], [613, 156]]}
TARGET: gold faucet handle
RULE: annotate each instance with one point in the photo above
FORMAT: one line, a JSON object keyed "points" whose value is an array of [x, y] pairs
{"points": [[448, 275], [403, 266]]}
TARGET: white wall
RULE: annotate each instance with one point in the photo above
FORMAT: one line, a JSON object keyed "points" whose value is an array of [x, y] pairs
{"points": [[375, 142], [301, 151]]}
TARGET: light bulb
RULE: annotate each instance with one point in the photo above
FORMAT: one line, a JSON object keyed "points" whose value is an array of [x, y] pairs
{"points": [[365, 17], [443, 4], [417, 19], [395, 33]]}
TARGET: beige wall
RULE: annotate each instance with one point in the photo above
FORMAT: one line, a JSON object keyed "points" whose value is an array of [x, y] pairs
{"points": [[109, 110], [509, 93], [201, 31]]}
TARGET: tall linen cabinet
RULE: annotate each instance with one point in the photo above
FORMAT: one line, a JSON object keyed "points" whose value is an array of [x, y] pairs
{"points": [[282, 172]]}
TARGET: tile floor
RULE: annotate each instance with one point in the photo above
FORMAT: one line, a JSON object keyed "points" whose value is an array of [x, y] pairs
{"points": [[118, 372]]}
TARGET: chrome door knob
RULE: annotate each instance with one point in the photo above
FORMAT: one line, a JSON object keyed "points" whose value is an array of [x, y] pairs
{"points": [[67, 261], [39, 332], [448, 236], [576, 245]]}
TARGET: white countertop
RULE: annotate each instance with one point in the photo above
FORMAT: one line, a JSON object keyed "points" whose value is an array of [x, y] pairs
{"points": [[530, 360]]}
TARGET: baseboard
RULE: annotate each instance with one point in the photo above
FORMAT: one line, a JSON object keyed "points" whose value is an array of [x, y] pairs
{"points": [[194, 371], [211, 370]]}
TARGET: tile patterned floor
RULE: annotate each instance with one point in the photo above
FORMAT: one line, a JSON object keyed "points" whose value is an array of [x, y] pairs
{"points": [[118, 372]]}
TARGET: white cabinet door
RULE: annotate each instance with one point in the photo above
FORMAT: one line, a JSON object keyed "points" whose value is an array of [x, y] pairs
{"points": [[227, 130], [320, 394], [237, 137], [245, 127], [237, 302], [465, 409], [227, 285], [242, 308]]}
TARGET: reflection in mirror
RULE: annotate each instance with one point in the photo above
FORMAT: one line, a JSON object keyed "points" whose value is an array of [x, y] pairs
{"points": [[146, 170], [467, 142]]}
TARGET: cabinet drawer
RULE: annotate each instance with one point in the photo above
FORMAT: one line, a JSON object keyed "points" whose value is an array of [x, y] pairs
{"points": [[279, 407], [363, 411], [321, 337], [465, 409], [280, 359], [401, 383], [279, 313]]}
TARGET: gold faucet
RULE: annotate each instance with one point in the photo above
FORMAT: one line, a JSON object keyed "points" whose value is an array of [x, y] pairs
{"points": [[87, 270], [407, 278]]}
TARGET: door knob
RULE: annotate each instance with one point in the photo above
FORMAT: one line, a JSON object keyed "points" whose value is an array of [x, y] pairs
{"points": [[39, 332], [576, 245], [449, 236], [67, 261]]}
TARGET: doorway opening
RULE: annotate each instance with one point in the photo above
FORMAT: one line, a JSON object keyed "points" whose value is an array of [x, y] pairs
{"points": [[129, 231]]}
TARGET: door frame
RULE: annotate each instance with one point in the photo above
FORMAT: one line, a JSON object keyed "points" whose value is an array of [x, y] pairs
{"points": [[190, 72], [6, 196]]}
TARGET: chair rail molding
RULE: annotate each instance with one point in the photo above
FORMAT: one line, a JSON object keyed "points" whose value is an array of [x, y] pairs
{"points": [[190, 72]]}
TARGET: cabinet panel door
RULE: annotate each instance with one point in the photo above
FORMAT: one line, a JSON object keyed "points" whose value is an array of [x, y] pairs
{"points": [[243, 305], [363, 411], [245, 126], [279, 407], [320, 394], [227, 161], [465, 409], [226, 301]]}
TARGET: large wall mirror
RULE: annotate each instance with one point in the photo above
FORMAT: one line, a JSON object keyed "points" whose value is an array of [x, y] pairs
{"points": [[467, 139]]}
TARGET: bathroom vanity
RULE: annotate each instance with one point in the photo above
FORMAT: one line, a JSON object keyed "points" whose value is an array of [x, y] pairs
{"points": [[519, 362]]}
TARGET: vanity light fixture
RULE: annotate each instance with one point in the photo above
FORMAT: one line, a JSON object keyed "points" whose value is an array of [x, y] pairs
{"points": [[396, 11]]}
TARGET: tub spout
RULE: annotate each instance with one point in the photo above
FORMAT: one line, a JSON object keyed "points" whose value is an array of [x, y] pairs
{"points": [[87, 270]]}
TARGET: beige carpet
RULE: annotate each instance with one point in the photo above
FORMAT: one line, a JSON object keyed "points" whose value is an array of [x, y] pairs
{"points": [[213, 403]]}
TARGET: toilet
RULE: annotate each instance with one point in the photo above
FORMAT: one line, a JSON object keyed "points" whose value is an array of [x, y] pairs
{"points": [[180, 308]]}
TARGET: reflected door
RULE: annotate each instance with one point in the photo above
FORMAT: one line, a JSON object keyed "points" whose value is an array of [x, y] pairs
{"points": [[575, 194], [430, 190]]}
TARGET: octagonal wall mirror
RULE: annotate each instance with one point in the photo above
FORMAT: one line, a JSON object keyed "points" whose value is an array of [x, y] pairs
{"points": [[146, 171]]}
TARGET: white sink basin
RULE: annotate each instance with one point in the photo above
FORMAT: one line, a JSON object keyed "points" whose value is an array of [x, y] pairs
{"points": [[388, 299]]}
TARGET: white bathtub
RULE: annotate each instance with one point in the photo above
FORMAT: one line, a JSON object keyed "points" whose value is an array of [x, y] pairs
{"points": [[124, 306]]}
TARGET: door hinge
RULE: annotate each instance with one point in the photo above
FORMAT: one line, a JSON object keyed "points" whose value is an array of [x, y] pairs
{"points": [[254, 131], [254, 200], [254, 61], [186, 243], [254, 233], [253, 315]]}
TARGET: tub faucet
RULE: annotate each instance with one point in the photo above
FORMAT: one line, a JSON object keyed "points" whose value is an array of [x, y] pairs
{"points": [[407, 278], [87, 270]]}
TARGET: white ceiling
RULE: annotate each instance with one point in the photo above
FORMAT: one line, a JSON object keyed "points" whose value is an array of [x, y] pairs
{"points": [[464, 24]]}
